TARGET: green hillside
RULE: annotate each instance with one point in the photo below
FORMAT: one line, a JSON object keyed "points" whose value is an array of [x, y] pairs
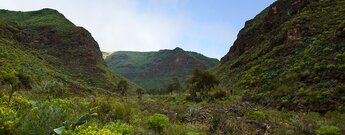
{"points": [[291, 56], [42, 46], [284, 75], [157, 69]]}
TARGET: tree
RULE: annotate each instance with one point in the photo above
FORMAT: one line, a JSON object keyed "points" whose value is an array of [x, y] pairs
{"points": [[175, 86], [202, 82], [158, 122], [13, 79], [122, 86], [140, 92]]}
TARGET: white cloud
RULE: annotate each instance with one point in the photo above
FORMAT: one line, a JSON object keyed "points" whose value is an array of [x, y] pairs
{"points": [[116, 25], [122, 25]]}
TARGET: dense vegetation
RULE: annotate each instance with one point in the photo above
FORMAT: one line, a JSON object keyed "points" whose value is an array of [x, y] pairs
{"points": [[291, 56], [53, 79], [31, 113], [156, 70]]}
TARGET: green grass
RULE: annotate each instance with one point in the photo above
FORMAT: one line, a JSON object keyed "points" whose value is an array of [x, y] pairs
{"points": [[34, 19]]}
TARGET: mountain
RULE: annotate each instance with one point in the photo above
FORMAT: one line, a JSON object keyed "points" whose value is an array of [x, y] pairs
{"points": [[157, 69], [291, 56], [41, 47]]}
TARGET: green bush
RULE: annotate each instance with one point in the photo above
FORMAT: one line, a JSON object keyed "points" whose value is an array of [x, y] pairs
{"points": [[120, 112], [6, 120], [122, 86], [328, 130], [53, 89], [340, 89], [158, 121], [326, 50], [331, 66], [44, 116], [180, 130], [257, 115], [112, 110], [108, 129], [305, 123], [120, 127]]}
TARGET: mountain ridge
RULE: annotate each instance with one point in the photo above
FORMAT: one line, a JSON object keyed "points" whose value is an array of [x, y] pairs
{"points": [[67, 49], [138, 66]]}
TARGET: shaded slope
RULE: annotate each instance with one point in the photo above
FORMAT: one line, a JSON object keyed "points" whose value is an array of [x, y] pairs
{"points": [[291, 56], [46, 45], [157, 69]]}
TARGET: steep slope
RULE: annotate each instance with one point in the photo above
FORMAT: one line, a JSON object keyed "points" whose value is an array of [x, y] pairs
{"points": [[291, 55], [157, 69], [44, 46]]}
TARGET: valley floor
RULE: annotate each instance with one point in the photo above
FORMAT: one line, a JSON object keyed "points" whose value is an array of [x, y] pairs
{"points": [[31, 113]]}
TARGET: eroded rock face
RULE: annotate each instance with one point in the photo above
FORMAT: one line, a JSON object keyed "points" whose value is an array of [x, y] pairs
{"points": [[276, 14], [295, 33], [297, 5], [70, 49]]}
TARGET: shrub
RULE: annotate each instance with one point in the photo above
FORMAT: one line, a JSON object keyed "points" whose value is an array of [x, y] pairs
{"points": [[340, 89], [53, 89], [140, 92], [326, 50], [180, 130], [331, 66], [217, 119], [120, 112], [111, 110], [175, 86], [257, 115], [192, 113], [158, 121], [109, 129], [122, 86], [20, 103], [92, 130], [6, 120], [34, 120], [219, 95], [119, 127], [305, 123], [328, 130]]}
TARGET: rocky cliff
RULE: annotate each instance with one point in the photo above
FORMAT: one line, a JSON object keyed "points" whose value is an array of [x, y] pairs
{"points": [[291, 56], [59, 50]]}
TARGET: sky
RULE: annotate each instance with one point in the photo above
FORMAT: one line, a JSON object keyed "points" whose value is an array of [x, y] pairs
{"points": [[206, 26]]}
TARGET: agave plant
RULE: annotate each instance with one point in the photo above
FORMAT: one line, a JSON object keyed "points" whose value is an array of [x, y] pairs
{"points": [[82, 120], [11, 92]]}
